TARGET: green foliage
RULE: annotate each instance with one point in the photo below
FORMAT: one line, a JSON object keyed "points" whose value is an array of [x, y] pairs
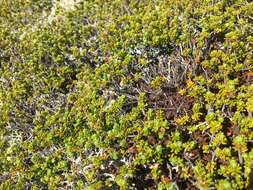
{"points": [[126, 94]]}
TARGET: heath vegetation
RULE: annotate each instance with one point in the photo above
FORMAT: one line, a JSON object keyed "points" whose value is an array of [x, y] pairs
{"points": [[126, 94]]}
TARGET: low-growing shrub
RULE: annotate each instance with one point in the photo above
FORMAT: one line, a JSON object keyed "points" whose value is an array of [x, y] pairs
{"points": [[126, 94]]}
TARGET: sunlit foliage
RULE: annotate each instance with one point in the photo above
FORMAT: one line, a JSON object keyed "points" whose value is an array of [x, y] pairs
{"points": [[126, 94]]}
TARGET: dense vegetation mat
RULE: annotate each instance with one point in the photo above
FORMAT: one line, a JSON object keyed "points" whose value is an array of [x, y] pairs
{"points": [[126, 94]]}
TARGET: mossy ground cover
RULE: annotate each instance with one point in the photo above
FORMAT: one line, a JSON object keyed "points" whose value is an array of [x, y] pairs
{"points": [[125, 94]]}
